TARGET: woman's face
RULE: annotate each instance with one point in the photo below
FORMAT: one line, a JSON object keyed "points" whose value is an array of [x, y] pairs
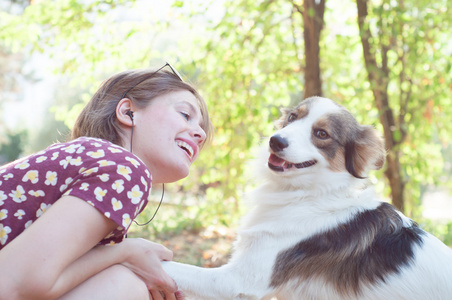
{"points": [[167, 135]]}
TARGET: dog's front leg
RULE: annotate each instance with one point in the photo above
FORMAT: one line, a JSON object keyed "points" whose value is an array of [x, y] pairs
{"points": [[211, 283]]}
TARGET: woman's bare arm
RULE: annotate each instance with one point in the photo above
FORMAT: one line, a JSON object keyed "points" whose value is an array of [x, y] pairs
{"points": [[57, 253]]}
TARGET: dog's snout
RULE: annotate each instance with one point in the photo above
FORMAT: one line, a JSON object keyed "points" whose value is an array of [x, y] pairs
{"points": [[278, 143]]}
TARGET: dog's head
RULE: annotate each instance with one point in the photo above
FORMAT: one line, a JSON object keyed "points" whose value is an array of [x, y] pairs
{"points": [[319, 137]]}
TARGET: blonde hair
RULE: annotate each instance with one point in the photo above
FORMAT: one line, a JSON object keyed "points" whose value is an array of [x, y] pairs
{"points": [[98, 117]]}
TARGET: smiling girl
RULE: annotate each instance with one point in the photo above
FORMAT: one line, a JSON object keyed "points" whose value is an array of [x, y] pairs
{"points": [[64, 211]]}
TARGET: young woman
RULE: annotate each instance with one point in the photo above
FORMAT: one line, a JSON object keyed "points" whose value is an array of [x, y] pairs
{"points": [[64, 212]]}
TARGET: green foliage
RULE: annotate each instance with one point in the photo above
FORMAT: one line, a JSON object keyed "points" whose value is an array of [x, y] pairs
{"points": [[84, 38], [12, 148], [442, 231], [247, 63], [410, 40], [174, 215], [249, 70]]}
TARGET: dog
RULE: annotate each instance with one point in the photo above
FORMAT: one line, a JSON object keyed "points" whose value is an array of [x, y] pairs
{"points": [[316, 229]]}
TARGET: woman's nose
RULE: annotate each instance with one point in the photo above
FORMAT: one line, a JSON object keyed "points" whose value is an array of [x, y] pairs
{"points": [[199, 134]]}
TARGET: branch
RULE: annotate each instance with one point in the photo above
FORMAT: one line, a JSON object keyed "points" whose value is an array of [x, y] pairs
{"points": [[366, 35], [404, 97], [292, 23], [378, 79], [298, 8]]}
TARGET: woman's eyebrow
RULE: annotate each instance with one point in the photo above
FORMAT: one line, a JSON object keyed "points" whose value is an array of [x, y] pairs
{"points": [[194, 110], [192, 107]]}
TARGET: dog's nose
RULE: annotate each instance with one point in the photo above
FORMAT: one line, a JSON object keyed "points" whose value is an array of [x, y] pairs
{"points": [[278, 143]]}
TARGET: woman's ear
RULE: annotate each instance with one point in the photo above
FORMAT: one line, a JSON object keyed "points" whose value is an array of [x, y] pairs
{"points": [[124, 112]]}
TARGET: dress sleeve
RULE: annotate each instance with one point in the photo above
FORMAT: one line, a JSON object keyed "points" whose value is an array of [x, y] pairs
{"points": [[114, 181]]}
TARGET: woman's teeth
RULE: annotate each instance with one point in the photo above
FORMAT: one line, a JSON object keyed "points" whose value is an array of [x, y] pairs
{"points": [[185, 147]]}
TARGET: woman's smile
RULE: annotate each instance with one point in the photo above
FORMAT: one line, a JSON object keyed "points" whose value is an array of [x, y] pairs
{"points": [[189, 149], [166, 129]]}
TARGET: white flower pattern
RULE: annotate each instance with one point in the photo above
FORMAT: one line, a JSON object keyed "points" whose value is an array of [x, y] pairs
{"points": [[42, 209], [135, 195], [126, 220], [19, 214], [3, 214], [84, 186], [100, 193], [18, 195], [117, 204], [124, 171], [118, 185], [38, 193], [106, 176], [4, 231], [51, 178], [31, 176]]}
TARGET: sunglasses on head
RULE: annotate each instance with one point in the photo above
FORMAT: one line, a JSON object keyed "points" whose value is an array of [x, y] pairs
{"points": [[130, 113], [152, 74]]}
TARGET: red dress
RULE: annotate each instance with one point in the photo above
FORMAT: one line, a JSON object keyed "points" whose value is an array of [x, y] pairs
{"points": [[105, 175]]}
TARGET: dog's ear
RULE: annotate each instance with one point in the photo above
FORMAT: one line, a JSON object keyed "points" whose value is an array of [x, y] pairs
{"points": [[366, 152], [280, 122]]}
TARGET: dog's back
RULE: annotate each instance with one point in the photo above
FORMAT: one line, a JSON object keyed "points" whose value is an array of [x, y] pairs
{"points": [[378, 254]]}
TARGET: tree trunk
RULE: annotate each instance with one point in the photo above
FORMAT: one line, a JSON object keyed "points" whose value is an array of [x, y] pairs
{"points": [[378, 79], [313, 12]]}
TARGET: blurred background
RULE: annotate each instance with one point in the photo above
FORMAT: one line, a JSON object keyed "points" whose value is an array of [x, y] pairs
{"points": [[388, 61]]}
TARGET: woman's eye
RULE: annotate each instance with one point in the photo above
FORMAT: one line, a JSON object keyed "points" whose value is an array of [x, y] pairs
{"points": [[185, 115], [321, 134]]}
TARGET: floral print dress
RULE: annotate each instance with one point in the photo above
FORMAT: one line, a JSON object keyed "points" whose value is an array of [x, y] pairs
{"points": [[108, 177]]}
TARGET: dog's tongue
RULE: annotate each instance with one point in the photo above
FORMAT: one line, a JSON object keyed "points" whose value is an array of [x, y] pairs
{"points": [[275, 160]]}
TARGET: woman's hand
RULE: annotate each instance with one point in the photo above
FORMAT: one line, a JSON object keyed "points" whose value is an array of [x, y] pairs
{"points": [[144, 259], [156, 295]]}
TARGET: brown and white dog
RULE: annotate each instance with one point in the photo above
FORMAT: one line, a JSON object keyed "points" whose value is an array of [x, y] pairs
{"points": [[316, 229]]}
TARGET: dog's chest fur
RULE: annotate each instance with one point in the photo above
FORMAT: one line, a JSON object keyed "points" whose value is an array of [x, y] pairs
{"points": [[316, 230]]}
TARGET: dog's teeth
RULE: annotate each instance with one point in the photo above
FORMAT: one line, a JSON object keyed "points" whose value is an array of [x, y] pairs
{"points": [[280, 165], [305, 164]]}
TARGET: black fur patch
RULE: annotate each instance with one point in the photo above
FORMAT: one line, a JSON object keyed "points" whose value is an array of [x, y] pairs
{"points": [[350, 154], [365, 250]]}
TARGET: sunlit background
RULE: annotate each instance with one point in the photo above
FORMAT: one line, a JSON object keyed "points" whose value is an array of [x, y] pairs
{"points": [[247, 58]]}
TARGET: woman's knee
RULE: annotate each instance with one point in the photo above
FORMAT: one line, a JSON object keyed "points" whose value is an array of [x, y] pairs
{"points": [[129, 283], [115, 282]]}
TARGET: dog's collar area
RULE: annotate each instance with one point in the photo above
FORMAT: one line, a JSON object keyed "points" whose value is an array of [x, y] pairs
{"points": [[279, 165]]}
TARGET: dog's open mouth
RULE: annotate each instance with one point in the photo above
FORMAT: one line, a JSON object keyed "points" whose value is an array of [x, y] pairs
{"points": [[278, 164]]}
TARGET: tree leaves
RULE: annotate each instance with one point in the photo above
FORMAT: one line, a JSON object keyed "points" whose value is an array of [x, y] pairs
{"points": [[247, 61]]}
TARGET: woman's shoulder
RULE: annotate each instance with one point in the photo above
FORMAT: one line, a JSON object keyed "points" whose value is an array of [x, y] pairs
{"points": [[101, 151], [80, 144], [95, 148], [81, 151]]}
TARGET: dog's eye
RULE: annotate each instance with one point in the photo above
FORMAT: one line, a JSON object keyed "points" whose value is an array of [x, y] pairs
{"points": [[292, 117], [321, 134]]}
